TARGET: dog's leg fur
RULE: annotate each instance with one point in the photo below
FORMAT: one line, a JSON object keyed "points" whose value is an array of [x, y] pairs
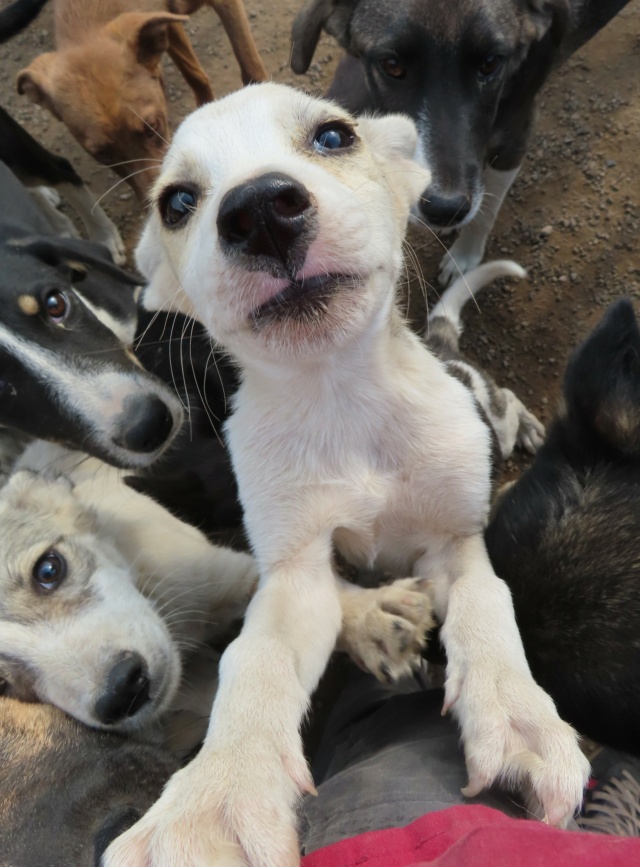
{"points": [[511, 421], [266, 677], [468, 249], [234, 19], [517, 737], [49, 201], [99, 227], [181, 52]]}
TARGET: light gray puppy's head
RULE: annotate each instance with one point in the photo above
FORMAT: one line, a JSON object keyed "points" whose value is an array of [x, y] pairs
{"points": [[75, 631]]}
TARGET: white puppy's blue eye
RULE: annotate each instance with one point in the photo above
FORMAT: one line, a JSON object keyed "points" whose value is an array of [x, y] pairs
{"points": [[177, 205], [333, 137]]}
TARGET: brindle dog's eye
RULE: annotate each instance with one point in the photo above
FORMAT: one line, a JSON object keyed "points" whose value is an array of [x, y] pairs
{"points": [[56, 305], [490, 65], [392, 66], [177, 205], [5, 686], [50, 571], [333, 136]]}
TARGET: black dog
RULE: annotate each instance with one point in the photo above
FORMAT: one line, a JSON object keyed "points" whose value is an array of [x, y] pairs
{"points": [[467, 72], [565, 538], [67, 316]]}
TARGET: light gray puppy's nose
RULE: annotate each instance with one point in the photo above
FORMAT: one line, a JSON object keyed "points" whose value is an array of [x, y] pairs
{"points": [[444, 211], [126, 690], [270, 216]]}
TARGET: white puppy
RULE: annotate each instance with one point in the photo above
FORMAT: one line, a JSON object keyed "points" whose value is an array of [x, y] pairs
{"points": [[282, 220]]}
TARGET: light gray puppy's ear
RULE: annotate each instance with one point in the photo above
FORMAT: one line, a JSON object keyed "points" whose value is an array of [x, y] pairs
{"points": [[550, 16], [308, 24]]}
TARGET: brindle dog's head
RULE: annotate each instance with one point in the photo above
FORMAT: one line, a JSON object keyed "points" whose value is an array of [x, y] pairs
{"points": [[457, 67]]}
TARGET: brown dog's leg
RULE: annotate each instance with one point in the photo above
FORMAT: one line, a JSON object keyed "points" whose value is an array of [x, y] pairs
{"points": [[234, 20], [181, 52]]}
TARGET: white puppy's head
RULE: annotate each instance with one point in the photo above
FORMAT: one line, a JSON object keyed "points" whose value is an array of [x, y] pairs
{"points": [[74, 630], [278, 220]]}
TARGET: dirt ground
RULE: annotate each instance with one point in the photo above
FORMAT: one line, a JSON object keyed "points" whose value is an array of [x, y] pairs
{"points": [[572, 218]]}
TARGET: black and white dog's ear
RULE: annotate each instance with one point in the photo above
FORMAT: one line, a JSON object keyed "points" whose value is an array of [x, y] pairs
{"points": [[550, 16], [333, 15], [74, 254], [602, 382]]}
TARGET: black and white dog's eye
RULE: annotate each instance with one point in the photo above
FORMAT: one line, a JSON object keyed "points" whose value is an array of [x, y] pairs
{"points": [[50, 570], [56, 305], [490, 65], [333, 137], [177, 205], [392, 66]]}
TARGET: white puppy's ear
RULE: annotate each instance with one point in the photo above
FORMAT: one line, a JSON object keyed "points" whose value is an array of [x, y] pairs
{"points": [[394, 138], [161, 291]]}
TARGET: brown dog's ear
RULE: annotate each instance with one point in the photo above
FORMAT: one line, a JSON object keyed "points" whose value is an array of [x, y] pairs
{"points": [[145, 33], [36, 82], [308, 24], [550, 16]]}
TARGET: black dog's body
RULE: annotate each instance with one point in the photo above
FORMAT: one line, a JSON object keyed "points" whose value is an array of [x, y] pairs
{"points": [[68, 791], [566, 537], [467, 72]]}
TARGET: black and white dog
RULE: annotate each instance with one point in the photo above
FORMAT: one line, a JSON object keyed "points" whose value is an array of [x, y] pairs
{"points": [[89, 391], [565, 538], [467, 72]]}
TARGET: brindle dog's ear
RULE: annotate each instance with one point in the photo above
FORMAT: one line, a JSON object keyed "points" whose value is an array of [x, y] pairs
{"points": [[334, 15], [550, 16], [602, 382]]}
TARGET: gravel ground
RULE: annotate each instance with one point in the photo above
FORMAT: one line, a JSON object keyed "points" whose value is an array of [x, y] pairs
{"points": [[571, 219]]}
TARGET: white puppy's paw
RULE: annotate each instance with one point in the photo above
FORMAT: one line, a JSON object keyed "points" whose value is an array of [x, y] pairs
{"points": [[459, 259], [512, 733], [531, 432], [230, 808], [384, 629]]}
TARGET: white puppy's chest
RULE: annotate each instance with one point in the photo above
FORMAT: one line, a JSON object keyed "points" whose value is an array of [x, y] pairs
{"points": [[382, 469]]}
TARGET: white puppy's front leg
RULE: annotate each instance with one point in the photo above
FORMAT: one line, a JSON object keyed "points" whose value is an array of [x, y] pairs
{"points": [[234, 803], [468, 249], [510, 727]]}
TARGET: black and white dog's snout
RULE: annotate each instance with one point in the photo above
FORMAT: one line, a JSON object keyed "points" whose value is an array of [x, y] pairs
{"points": [[444, 211], [271, 217], [145, 425], [127, 690]]}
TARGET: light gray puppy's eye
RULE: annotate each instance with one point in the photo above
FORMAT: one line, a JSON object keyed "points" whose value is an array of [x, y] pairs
{"points": [[50, 570]]}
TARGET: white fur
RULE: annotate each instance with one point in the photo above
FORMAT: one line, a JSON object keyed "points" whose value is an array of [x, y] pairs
{"points": [[345, 429]]}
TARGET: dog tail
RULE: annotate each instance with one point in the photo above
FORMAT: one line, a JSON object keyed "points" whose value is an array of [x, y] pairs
{"points": [[467, 286], [17, 16]]}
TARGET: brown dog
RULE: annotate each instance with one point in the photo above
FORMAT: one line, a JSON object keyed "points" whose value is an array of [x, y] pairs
{"points": [[104, 81]]}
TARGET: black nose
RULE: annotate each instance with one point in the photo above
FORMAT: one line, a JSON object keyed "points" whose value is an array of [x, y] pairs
{"points": [[445, 211], [145, 424], [268, 216], [126, 690]]}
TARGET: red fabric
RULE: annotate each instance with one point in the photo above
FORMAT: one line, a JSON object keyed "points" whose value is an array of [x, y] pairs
{"points": [[481, 837]]}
